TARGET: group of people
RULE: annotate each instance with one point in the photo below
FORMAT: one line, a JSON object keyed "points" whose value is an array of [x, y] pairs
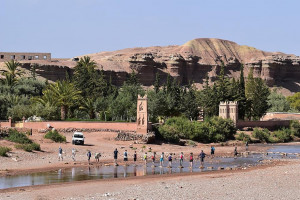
{"points": [[145, 157], [168, 157], [89, 155]]}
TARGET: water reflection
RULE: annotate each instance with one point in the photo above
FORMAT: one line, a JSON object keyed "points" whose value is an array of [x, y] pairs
{"points": [[104, 172]]}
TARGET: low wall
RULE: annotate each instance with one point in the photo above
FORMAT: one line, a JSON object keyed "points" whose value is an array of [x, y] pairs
{"points": [[123, 126], [5, 124], [280, 115], [271, 125]]}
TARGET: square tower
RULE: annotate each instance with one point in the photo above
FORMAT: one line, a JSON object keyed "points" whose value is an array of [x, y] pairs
{"points": [[142, 115], [229, 110]]}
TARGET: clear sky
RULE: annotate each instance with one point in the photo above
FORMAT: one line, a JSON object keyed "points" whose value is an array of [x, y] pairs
{"points": [[68, 28]]}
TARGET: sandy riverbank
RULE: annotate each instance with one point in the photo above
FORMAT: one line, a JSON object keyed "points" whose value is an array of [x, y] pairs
{"points": [[20, 162], [275, 181]]}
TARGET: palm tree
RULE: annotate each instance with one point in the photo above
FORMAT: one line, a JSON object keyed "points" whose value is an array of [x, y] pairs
{"points": [[65, 95], [11, 72], [87, 63], [89, 106], [47, 99]]}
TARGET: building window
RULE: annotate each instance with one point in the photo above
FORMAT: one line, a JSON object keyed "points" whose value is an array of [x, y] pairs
{"points": [[22, 57], [29, 57], [2, 56], [45, 57], [12, 57], [36, 57]]}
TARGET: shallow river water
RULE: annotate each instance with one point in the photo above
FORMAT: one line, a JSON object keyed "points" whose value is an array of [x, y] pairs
{"points": [[108, 172]]}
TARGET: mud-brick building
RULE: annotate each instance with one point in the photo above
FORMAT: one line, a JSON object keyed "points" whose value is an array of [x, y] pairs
{"points": [[20, 56]]}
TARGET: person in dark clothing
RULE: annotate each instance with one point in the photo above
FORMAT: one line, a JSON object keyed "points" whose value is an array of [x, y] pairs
{"points": [[116, 156], [212, 151], [89, 155], [134, 157], [235, 152], [202, 156]]}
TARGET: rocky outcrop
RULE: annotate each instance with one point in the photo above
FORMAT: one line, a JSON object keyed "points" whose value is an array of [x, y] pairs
{"points": [[190, 62]]}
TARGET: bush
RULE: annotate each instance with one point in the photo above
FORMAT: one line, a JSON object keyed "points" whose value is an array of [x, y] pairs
{"points": [[283, 135], [243, 137], [4, 150], [262, 135], [212, 130], [18, 137], [295, 128], [55, 136], [28, 147]]}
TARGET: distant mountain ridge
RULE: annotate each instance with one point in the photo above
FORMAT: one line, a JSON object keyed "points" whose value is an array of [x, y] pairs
{"points": [[190, 62]]}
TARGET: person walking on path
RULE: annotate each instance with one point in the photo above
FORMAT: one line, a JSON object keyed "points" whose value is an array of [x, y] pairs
{"points": [[145, 158], [202, 156], [60, 156], [212, 151], [247, 145], [116, 156], [125, 157], [181, 160], [134, 157], [170, 160], [191, 160], [235, 152], [161, 160], [73, 154], [89, 155]]}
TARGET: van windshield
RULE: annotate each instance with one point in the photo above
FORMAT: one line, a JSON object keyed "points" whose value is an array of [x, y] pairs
{"points": [[78, 136]]}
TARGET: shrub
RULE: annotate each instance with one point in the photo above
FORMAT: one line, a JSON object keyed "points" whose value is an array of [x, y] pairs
{"points": [[243, 137], [212, 130], [295, 128], [28, 147], [55, 136], [262, 135], [18, 137], [169, 133], [283, 135], [4, 150]]}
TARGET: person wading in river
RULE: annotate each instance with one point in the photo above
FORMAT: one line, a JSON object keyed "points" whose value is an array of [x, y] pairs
{"points": [[116, 156], [202, 156]]}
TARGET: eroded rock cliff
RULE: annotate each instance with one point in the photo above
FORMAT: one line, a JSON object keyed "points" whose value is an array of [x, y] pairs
{"points": [[190, 62]]}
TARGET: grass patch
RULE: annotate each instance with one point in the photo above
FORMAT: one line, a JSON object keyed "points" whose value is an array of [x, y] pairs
{"points": [[4, 150], [55, 136], [28, 147]]}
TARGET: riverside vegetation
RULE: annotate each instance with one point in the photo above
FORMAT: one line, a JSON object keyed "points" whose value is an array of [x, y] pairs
{"points": [[89, 94]]}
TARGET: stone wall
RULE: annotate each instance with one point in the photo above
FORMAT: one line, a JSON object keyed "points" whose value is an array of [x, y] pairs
{"points": [[280, 116], [7, 56], [271, 125]]}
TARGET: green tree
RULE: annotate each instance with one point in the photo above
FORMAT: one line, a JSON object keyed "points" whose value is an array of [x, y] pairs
{"points": [[87, 79], [156, 83], [277, 102], [89, 106], [295, 101], [257, 93], [189, 105], [64, 94], [11, 72], [241, 94]]}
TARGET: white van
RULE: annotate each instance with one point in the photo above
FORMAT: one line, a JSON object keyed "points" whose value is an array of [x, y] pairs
{"points": [[78, 138]]}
